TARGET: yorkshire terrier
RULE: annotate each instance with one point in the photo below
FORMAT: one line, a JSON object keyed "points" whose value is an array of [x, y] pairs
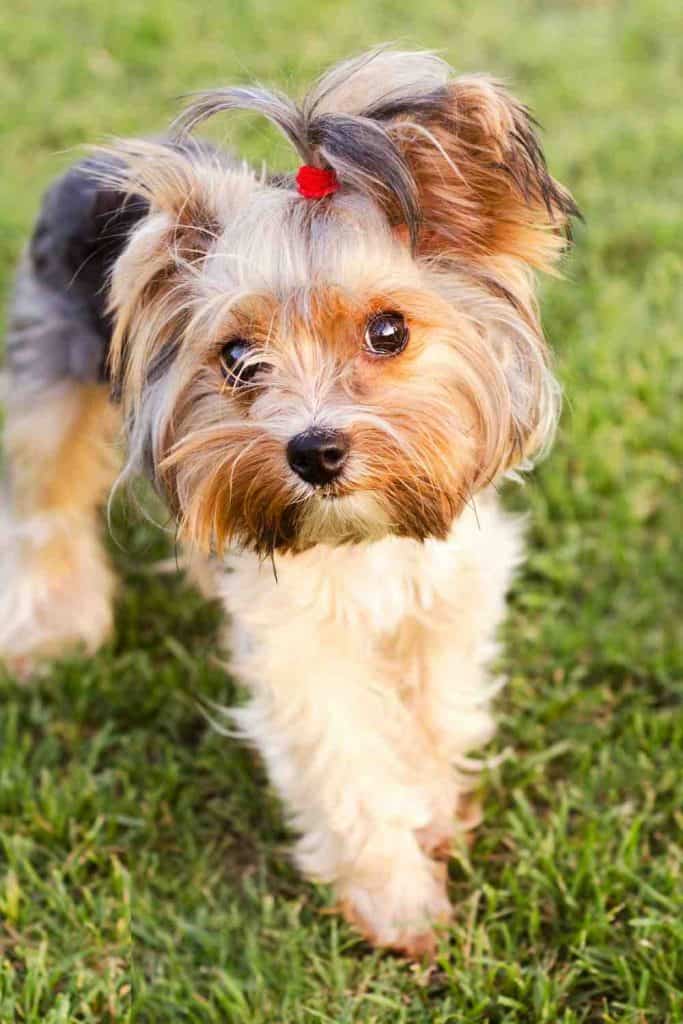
{"points": [[324, 376]]}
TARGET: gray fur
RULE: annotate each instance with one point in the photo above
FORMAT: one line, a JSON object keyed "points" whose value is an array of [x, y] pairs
{"points": [[278, 108], [58, 324], [51, 335]]}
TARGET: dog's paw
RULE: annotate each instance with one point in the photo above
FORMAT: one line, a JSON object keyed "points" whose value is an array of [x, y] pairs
{"points": [[402, 913]]}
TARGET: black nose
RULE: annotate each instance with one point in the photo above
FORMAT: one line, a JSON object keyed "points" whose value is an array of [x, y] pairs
{"points": [[317, 456]]}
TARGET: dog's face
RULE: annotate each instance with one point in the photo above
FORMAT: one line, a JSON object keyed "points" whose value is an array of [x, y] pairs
{"points": [[298, 372]]}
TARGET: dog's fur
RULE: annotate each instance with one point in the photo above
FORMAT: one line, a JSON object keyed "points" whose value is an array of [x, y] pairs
{"points": [[365, 643]]}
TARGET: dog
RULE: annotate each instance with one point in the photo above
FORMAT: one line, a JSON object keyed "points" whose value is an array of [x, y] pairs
{"points": [[324, 376]]}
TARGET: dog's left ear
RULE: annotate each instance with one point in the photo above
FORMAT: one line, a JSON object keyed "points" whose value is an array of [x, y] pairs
{"points": [[484, 190]]}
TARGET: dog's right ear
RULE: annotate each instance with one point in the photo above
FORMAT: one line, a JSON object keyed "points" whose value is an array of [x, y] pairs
{"points": [[184, 189]]}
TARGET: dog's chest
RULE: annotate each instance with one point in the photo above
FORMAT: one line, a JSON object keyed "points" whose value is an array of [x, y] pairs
{"points": [[372, 589]]}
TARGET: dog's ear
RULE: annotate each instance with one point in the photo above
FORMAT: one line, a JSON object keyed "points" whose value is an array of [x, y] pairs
{"points": [[484, 191], [183, 189], [175, 179]]}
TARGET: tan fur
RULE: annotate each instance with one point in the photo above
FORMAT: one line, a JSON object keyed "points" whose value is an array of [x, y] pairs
{"points": [[55, 583], [484, 190]]}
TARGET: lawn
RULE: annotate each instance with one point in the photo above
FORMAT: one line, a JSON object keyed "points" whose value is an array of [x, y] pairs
{"points": [[143, 859]]}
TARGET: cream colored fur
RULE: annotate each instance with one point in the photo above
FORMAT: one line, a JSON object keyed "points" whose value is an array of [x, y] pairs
{"points": [[367, 669]]}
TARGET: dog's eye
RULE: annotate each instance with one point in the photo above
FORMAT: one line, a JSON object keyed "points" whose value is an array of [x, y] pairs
{"points": [[236, 369], [386, 334]]}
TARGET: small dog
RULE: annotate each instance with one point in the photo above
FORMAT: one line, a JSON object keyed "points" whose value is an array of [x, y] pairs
{"points": [[320, 372]]}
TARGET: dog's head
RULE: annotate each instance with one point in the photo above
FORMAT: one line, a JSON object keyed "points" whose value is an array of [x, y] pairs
{"points": [[297, 370]]}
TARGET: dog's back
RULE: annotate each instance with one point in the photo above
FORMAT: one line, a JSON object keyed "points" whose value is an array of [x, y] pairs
{"points": [[58, 325]]}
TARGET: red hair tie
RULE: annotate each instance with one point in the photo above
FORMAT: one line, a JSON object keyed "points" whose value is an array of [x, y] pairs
{"points": [[316, 182]]}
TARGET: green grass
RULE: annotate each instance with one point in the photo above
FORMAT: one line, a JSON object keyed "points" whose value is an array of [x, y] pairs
{"points": [[143, 867]]}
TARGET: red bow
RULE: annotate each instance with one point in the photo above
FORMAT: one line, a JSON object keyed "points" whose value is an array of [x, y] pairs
{"points": [[316, 182]]}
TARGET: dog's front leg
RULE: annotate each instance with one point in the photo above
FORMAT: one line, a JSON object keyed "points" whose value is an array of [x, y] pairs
{"points": [[349, 762]]}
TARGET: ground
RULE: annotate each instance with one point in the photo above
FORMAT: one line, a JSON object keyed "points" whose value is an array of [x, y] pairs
{"points": [[143, 865]]}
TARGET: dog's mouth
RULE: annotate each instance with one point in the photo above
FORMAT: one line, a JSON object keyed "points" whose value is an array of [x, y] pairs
{"points": [[332, 515], [333, 492], [339, 514]]}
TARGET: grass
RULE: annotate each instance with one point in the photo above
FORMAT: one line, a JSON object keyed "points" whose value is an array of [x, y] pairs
{"points": [[143, 868]]}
